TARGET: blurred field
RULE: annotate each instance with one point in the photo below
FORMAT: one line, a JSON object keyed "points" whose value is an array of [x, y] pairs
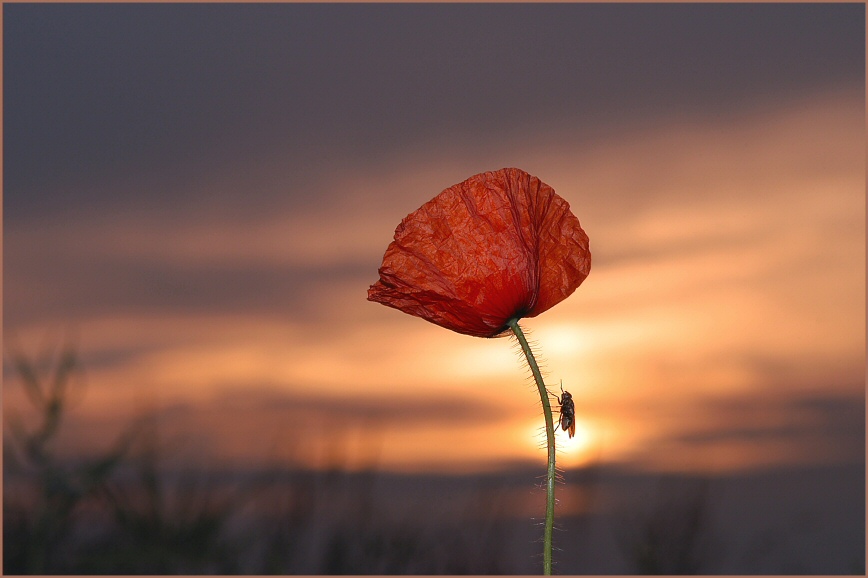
{"points": [[137, 509]]}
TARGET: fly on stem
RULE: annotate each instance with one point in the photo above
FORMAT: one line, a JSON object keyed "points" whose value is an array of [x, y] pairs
{"points": [[568, 411], [484, 253]]}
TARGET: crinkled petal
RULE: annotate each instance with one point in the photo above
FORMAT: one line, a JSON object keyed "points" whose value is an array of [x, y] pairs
{"points": [[497, 246]]}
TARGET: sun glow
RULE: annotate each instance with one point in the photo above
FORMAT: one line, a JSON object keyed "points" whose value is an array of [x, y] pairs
{"points": [[581, 449], [580, 443]]}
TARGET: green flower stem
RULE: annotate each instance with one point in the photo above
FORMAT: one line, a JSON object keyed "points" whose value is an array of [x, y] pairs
{"points": [[550, 442]]}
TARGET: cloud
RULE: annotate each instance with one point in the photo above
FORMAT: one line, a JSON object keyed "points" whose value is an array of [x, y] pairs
{"points": [[681, 191], [91, 100], [829, 428], [387, 412], [728, 261]]}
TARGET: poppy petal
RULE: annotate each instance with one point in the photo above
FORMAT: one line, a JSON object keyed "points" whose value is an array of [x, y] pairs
{"points": [[498, 246]]}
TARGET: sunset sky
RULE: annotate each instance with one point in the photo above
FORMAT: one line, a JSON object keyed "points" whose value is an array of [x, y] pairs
{"points": [[199, 196]]}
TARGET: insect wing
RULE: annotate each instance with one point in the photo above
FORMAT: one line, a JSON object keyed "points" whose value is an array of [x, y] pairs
{"points": [[566, 421], [568, 413]]}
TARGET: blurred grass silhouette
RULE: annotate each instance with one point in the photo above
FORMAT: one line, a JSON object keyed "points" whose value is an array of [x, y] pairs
{"points": [[124, 512], [669, 536], [136, 508], [37, 528]]}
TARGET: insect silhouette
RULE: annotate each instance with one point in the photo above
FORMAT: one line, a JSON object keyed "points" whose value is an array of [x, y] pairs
{"points": [[568, 411]]}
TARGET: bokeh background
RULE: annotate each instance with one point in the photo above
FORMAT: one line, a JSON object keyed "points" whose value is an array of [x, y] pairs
{"points": [[197, 197]]}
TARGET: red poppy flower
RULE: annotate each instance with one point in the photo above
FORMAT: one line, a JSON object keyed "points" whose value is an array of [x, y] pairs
{"points": [[498, 246]]}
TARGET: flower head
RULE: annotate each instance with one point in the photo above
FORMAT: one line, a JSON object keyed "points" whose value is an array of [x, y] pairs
{"points": [[499, 246]]}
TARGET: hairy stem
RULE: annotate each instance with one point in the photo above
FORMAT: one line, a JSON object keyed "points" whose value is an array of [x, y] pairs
{"points": [[550, 443]]}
